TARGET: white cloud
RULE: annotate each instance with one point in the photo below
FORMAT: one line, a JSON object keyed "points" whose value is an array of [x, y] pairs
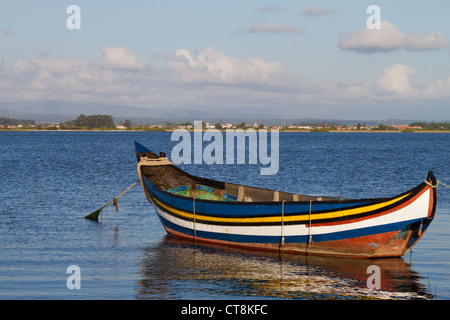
{"points": [[390, 38], [396, 78], [60, 78], [210, 75], [21, 67], [440, 88], [208, 78], [270, 8], [419, 42], [317, 10], [214, 67], [56, 66], [122, 58], [7, 32], [270, 28]]}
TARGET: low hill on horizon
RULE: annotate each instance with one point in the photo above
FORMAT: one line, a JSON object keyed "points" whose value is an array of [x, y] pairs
{"points": [[56, 111]]}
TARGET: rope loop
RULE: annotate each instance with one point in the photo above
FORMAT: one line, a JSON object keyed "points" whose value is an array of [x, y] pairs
{"points": [[437, 183]]}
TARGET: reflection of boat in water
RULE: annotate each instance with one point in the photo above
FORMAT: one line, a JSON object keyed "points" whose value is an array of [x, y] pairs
{"points": [[217, 212], [175, 269]]}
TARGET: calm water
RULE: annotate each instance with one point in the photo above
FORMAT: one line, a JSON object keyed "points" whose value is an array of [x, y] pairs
{"points": [[51, 180]]}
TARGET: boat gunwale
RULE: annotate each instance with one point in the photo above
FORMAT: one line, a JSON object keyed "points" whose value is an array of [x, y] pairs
{"points": [[403, 198], [369, 201]]}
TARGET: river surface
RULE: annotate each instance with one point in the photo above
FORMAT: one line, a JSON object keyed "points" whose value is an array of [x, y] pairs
{"points": [[51, 180]]}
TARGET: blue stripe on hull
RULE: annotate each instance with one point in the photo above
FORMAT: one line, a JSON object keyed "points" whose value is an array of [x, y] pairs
{"points": [[237, 238], [243, 208]]}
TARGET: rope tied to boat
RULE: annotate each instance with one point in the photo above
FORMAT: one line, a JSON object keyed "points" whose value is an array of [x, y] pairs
{"points": [[282, 224], [146, 161], [309, 229], [193, 211], [436, 185]]}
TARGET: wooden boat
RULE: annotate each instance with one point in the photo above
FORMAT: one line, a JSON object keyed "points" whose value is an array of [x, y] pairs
{"points": [[206, 210]]}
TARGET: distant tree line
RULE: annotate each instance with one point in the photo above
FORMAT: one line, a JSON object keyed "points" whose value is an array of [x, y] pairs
{"points": [[92, 122], [106, 122], [432, 125], [317, 124], [15, 122]]}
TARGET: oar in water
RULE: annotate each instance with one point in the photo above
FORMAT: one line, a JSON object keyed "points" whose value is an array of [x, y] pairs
{"points": [[94, 215]]}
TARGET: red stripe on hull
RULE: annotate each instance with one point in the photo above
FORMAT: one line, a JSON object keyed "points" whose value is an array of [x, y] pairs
{"points": [[389, 244]]}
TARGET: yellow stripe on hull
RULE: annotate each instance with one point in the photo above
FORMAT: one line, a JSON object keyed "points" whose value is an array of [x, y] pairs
{"points": [[277, 219]]}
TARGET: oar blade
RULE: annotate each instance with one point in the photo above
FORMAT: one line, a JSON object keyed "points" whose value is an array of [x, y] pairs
{"points": [[94, 215]]}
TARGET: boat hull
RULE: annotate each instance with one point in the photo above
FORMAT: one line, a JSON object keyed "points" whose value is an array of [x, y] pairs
{"points": [[389, 233], [210, 211]]}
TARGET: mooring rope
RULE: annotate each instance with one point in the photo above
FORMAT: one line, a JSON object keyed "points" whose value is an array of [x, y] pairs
{"points": [[309, 230], [437, 183], [282, 224], [195, 230], [145, 161], [115, 199]]}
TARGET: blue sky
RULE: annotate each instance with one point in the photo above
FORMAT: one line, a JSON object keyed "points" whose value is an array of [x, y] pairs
{"points": [[300, 58]]}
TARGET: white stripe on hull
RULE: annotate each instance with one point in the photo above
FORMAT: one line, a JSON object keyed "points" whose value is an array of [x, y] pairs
{"points": [[414, 211]]}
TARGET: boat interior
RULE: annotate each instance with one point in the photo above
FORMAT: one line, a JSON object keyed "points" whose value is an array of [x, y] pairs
{"points": [[172, 179]]}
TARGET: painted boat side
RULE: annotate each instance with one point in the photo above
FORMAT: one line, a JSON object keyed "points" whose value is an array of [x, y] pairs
{"points": [[390, 233], [380, 227]]}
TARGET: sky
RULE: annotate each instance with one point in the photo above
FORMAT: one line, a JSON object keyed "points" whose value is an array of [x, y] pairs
{"points": [[292, 58]]}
